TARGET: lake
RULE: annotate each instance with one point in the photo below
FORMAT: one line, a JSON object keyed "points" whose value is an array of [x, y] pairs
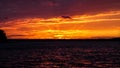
{"points": [[60, 54]]}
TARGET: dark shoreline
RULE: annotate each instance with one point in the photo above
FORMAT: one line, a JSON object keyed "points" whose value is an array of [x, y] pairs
{"points": [[112, 39]]}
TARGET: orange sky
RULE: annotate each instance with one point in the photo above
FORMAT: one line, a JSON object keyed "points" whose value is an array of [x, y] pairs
{"points": [[101, 25]]}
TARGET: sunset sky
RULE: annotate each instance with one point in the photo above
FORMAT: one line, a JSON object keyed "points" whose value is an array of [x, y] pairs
{"points": [[60, 19]]}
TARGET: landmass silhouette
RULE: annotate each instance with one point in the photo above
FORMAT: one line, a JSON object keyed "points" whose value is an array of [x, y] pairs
{"points": [[3, 36]]}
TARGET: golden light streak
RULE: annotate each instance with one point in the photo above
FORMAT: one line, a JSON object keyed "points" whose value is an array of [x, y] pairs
{"points": [[102, 25]]}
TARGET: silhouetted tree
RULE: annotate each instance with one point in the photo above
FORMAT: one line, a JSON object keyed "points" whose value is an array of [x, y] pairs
{"points": [[3, 37]]}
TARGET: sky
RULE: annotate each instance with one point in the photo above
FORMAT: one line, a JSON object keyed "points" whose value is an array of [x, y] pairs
{"points": [[60, 19]]}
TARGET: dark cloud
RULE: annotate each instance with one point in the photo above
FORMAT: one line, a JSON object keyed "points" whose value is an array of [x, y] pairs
{"points": [[85, 6], [66, 17], [49, 8]]}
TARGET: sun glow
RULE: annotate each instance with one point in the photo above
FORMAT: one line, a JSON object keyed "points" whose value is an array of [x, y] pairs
{"points": [[102, 25]]}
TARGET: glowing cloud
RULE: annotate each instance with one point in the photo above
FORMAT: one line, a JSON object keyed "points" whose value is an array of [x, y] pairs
{"points": [[102, 25]]}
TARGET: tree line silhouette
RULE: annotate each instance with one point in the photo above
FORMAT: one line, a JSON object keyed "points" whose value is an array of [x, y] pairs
{"points": [[3, 36]]}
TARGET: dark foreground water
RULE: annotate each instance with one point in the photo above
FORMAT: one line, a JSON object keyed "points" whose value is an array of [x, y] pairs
{"points": [[60, 55]]}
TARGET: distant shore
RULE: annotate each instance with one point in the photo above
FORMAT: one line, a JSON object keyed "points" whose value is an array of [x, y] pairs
{"points": [[112, 39]]}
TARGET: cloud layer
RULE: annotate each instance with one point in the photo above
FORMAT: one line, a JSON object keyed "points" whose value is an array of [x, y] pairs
{"points": [[10, 9], [101, 25]]}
